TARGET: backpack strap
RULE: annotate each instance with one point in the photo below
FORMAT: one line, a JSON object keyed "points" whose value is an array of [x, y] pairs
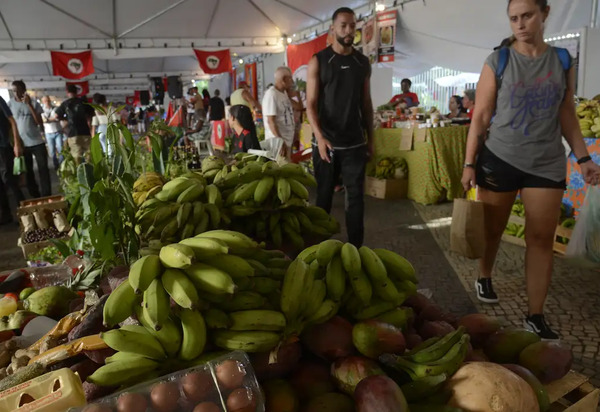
{"points": [[565, 57], [503, 55]]}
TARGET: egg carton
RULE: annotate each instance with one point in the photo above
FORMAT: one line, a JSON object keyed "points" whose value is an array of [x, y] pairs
{"points": [[223, 384]]}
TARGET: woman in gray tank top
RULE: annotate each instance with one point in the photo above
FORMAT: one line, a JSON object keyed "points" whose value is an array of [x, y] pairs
{"points": [[531, 102]]}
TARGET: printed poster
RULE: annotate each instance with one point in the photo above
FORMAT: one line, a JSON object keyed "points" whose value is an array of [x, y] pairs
{"points": [[386, 30], [370, 39], [218, 134], [358, 36]]}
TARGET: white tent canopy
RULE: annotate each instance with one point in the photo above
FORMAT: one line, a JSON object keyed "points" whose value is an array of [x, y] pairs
{"points": [[134, 39]]}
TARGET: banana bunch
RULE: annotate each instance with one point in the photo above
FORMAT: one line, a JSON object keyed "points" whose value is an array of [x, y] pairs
{"points": [[568, 223], [518, 208], [385, 168], [367, 283], [588, 112], [210, 166], [435, 357], [147, 186], [514, 229]]}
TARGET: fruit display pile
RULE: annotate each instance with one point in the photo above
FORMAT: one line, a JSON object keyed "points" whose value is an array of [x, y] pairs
{"points": [[390, 168], [40, 235], [254, 196], [588, 112], [518, 230]]}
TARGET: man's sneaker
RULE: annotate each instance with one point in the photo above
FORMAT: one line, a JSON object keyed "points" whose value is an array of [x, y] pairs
{"points": [[485, 290], [537, 324]]}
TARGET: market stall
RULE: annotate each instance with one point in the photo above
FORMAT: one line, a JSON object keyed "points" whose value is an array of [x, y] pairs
{"points": [[576, 187], [434, 165]]}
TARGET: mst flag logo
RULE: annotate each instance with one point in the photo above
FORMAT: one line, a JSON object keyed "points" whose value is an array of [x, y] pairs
{"points": [[214, 62], [72, 65], [83, 88]]}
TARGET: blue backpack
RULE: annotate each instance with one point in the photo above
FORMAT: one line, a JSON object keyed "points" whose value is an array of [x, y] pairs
{"points": [[563, 55]]}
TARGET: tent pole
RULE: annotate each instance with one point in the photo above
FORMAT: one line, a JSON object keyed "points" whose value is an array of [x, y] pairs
{"points": [[594, 21]]}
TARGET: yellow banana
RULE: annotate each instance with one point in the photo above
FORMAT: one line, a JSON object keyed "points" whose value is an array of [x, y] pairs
{"points": [[180, 288], [143, 271], [194, 334]]}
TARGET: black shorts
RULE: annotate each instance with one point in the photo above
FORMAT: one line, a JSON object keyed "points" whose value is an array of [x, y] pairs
{"points": [[493, 173]]}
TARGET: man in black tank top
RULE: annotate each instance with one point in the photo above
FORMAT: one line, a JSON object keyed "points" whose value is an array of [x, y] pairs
{"points": [[340, 111]]}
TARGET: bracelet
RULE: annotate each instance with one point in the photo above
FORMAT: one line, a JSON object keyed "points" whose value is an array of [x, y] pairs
{"points": [[471, 165], [584, 159]]}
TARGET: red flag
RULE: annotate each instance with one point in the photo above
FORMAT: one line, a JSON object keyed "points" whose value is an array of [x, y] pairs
{"points": [[130, 100], [83, 88], [250, 72], [72, 65], [214, 62], [300, 54]]}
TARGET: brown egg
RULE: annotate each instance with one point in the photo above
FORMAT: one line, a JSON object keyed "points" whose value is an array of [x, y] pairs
{"points": [[241, 400], [132, 402], [98, 408], [198, 386], [230, 374], [207, 407], [164, 397]]}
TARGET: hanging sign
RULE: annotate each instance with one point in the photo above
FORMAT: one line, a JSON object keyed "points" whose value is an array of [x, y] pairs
{"points": [[386, 29], [72, 65], [370, 39]]}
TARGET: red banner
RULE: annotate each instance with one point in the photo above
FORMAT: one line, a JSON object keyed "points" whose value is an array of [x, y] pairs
{"points": [[130, 100], [83, 88], [250, 75], [72, 65], [214, 62], [299, 54], [218, 134]]}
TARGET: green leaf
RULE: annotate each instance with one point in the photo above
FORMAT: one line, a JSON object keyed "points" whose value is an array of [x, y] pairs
{"points": [[74, 209], [129, 142], [62, 247], [96, 150]]}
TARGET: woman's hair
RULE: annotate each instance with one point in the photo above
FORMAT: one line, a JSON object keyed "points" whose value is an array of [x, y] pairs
{"points": [[243, 115], [458, 101], [99, 99], [470, 93], [507, 42], [205, 93], [542, 4]]}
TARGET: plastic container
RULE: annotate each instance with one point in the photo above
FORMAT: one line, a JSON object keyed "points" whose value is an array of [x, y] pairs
{"points": [[52, 392], [221, 381], [8, 305], [50, 276]]}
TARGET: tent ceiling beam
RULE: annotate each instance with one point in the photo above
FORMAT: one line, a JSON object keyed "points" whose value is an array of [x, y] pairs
{"points": [[151, 18], [113, 78], [265, 15], [114, 18], [6, 26], [212, 17], [594, 19], [289, 6], [66, 13]]}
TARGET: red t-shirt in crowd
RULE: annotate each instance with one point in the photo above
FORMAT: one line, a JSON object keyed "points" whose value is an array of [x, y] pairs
{"points": [[470, 114], [410, 98]]}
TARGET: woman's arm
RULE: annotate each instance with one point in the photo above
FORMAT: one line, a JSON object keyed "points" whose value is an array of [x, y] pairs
{"points": [[569, 123], [484, 109]]}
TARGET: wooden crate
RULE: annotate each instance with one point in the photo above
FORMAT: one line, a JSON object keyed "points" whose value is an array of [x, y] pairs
{"points": [[386, 188], [41, 200], [560, 232], [573, 393]]}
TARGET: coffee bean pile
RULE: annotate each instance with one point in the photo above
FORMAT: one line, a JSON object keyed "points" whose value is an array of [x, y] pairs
{"points": [[40, 235]]}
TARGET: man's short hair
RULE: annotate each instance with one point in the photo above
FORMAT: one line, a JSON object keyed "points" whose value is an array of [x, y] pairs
{"points": [[341, 10], [71, 88], [217, 92], [20, 84], [470, 93], [406, 81]]}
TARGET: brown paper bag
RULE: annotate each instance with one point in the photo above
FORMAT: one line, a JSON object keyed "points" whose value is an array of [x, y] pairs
{"points": [[467, 236], [420, 135], [406, 141]]}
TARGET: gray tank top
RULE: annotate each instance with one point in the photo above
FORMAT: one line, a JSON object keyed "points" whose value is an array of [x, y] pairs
{"points": [[526, 130]]}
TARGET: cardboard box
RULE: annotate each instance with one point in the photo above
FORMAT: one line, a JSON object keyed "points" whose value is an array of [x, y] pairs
{"points": [[386, 188]]}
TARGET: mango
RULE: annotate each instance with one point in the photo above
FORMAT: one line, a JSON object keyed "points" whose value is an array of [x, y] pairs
{"points": [[373, 338], [536, 385], [52, 301], [548, 361], [479, 326], [505, 345]]}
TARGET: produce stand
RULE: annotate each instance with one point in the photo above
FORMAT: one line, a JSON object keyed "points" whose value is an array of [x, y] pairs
{"points": [[576, 187], [558, 247], [573, 393], [434, 166]]}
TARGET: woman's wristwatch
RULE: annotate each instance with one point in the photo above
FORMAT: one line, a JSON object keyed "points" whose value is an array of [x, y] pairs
{"points": [[470, 165], [583, 160]]}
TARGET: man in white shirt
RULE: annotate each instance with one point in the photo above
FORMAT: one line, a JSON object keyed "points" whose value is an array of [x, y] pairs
{"points": [[278, 112], [53, 131]]}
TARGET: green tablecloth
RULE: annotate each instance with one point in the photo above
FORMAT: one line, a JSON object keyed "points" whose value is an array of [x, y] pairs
{"points": [[434, 166]]}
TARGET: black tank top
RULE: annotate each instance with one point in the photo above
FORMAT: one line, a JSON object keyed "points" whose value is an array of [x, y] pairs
{"points": [[341, 92]]}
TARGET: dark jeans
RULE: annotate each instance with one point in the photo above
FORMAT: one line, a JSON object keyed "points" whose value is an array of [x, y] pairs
{"points": [[8, 179], [351, 165], [41, 158]]}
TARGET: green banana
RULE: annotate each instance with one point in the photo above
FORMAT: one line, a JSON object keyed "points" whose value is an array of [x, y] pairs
{"points": [[373, 265], [295, 238], [327, 250], [292, 170], [305, 223], [425, 344], [244, 192], [276, 235], [180, 288], [439, 348], [278, 263], [124, 357], [351, 258], [197, 210], [294, 283], [360, 285], [397, 266], [315, 299], [244, 300], [268, 320], [143, 271], [156, 303], [119, 305], [387, 291], [298, 188], [263, 189], [169, 335], [216, 319], [210, 279], [327, 310], [187, 231], [202, 226], [176, 186], [213, 195], [283, 189], [177, 256], [264, 285], [248, 341], [237, 242], [117, 373], [206, 247], [169, 231], [191, 193], [399, 317], [235, 266], [142, 343], [335, 279], [194, 334], [423, 388], [373, 310], [183, 214], [309, 254], [214, 214]]}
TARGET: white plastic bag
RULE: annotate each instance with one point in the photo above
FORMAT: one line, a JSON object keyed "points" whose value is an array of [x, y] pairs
{"points": [[584, 246], [273, 147]]}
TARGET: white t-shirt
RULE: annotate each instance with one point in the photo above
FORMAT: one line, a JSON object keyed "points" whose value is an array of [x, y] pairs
{"points": [[278, 104], [100, 118]]}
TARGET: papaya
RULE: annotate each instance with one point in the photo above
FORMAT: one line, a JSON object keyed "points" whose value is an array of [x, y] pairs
{"points": [[505, 345], [548, 361]]}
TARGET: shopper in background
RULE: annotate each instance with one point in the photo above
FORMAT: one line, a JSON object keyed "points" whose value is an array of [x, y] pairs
{"points": [[8, 152], [101, 120], [533, 108], [278, 112], [216, 108], [241, 122], [205, 98], [244, 96], [76, 116], [456, 108], [53, 131], [28, 114], [340, 111], [141, 120], [468, 102], [407, 98]]}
